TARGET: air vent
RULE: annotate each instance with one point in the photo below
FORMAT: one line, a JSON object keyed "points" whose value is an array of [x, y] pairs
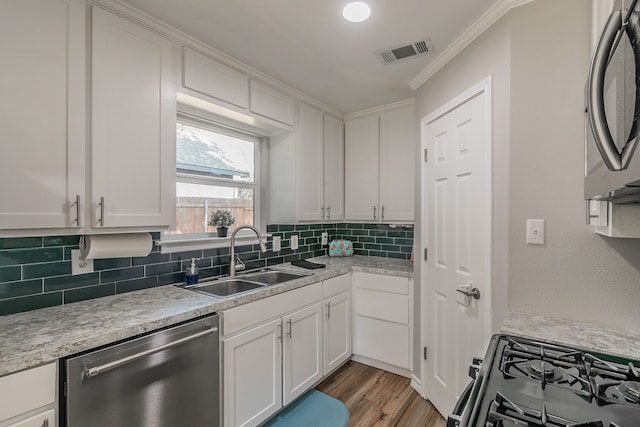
{"points": [[401, 53]]}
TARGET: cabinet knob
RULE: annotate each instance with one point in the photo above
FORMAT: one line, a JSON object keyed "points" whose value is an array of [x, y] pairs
{"points": [[382, 213], [329, 212], [78, 210], [374, 212], [101, 204], [329, 310]]}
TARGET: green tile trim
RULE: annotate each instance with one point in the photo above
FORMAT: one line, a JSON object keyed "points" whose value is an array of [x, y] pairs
{"points": [[70, 282], [90, 292], [62, 241], [47, 269], [111, 263], [21, 242], [17, 289], [136, 284], [28, 303], [30, 256], [10, 274]]}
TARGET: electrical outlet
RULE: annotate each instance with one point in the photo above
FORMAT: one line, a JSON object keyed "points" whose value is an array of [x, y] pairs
{"points": [[276, 244], [294, 242], [80, 266], [325, 238], [535, 231]]}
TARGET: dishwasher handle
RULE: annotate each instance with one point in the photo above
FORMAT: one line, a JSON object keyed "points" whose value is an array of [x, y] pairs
{"points": [[96, 370]]}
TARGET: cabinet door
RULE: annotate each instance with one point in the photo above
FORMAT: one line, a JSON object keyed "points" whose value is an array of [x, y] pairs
{"points": [[337, 331], [271, 103], [397, 164], [210, 77], [44, 419], [333, 168], [42, 114], [133, 125], [302, 358], [361, 168], [252, 375], [309, 153]]}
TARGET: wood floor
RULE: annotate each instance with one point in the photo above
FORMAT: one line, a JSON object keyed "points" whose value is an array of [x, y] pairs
{"points": [[379, 398]]}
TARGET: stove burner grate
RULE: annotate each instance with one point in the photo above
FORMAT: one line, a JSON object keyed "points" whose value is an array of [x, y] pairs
{"points": [[505, 413], [630, 390]]}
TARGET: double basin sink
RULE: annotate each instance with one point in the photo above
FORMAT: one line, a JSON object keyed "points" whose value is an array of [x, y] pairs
{"points": [[230, 286]]}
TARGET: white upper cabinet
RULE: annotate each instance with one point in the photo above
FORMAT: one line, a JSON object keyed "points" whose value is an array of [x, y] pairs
{"points": [[361, 168], [215, 79], [271, 103], [333, 168], [379, 166], [42, 114], [133, 125], [309, 153], [397, 154]]}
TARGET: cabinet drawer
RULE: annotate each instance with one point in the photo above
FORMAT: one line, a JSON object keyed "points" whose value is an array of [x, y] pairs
{"points": [[382, 341], [336, 285], [395, 284], [27, 390], [271, 103], [382, 305], [238, 318], [212, 78]]}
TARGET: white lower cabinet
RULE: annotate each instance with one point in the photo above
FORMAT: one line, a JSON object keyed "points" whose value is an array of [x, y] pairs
{"points": [[302, 358], [276, 356], [382, 321], [252, 375], [28, 398], [337, 331]]}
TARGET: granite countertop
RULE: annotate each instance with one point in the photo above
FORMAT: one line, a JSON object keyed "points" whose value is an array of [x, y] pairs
{"points": [[33, 338], [582, 335]]}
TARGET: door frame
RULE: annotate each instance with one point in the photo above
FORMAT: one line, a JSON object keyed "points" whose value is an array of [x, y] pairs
{"points": [[484, 86]]}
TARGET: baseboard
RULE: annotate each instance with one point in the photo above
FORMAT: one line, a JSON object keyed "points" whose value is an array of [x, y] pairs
{"points": [[416, 383], [381, 365]]}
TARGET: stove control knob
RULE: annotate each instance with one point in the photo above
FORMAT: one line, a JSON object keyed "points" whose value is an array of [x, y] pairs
{"points": [[453, 420]]}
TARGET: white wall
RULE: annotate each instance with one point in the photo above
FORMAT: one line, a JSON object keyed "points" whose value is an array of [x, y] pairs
{"points": [[576, 274], [538, 55]]}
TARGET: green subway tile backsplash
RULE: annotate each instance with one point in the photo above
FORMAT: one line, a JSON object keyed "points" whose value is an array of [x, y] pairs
{"points": [[35, 272]]}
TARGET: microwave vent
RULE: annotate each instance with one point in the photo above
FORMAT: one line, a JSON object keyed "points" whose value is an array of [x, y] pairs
{"points": [[404, 52]]}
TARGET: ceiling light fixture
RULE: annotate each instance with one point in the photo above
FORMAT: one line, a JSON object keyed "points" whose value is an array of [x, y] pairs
{"points": [[356, 11]]}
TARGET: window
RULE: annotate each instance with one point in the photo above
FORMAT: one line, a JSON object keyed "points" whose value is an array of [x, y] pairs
{"points": [[215, 169]]}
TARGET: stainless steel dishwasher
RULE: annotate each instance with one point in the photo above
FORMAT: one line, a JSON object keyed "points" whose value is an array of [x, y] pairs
{"points": [[167, 378]]}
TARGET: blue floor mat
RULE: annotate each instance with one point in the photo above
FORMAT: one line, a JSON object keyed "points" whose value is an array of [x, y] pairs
{"points": [[314, 409]]}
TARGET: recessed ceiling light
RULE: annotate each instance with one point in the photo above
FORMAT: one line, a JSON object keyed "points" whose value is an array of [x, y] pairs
{"points": [[356, 11]]}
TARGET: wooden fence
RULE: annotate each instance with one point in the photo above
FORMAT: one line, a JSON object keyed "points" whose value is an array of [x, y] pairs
{"points": [[193, 213]]}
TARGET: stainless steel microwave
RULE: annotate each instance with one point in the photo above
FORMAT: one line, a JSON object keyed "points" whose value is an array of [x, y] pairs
{"points": [[612, 119]]}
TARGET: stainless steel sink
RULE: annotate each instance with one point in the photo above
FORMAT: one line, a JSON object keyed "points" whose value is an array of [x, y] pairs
{"points": [[248, 281], [226, 288], [273, 277]]}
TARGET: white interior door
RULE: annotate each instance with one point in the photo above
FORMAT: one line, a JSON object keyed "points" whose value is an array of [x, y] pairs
{"points": [[456, 212]]}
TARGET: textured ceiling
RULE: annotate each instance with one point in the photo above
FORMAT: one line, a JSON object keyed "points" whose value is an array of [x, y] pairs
{"points": [[310, 47]]}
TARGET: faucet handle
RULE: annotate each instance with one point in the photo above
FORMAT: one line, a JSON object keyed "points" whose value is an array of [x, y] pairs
{"points": [[239, 264]]}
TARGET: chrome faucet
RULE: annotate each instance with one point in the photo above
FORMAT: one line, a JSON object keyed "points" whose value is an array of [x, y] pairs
{"points": [[232, 263]]}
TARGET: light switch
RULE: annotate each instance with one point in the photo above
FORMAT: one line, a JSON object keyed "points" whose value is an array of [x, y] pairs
{"points": [[535, 231], [325, 238], [277, 242], [294, 242]]}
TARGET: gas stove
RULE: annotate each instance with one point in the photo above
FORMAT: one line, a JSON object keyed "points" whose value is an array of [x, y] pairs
{"points": [[530, 383]]}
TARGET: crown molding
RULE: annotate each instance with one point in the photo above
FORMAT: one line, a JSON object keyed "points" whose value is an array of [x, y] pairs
{"points": [[380, 109], [483, 23]]}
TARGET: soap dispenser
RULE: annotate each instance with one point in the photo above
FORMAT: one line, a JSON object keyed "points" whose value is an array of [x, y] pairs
{"points": [[191, 275]]}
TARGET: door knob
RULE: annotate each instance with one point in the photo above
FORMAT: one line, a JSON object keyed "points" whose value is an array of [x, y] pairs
{"points": [[469, 291]]}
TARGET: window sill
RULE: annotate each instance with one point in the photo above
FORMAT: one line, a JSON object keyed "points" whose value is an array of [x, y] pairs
{"points": [[168, 246]]}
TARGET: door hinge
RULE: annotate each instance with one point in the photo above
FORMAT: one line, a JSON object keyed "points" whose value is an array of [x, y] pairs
{"points": [[426, 257], [424, 352], [425, 155]]}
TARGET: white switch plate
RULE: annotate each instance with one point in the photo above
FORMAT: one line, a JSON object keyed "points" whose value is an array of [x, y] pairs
{"points": [[80, 266], [325, 238], [535, 231], [277, 244], [294, 242]]}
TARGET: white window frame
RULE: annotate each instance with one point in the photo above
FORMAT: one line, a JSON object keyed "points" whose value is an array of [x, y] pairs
{"points": [[183, 242]]}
